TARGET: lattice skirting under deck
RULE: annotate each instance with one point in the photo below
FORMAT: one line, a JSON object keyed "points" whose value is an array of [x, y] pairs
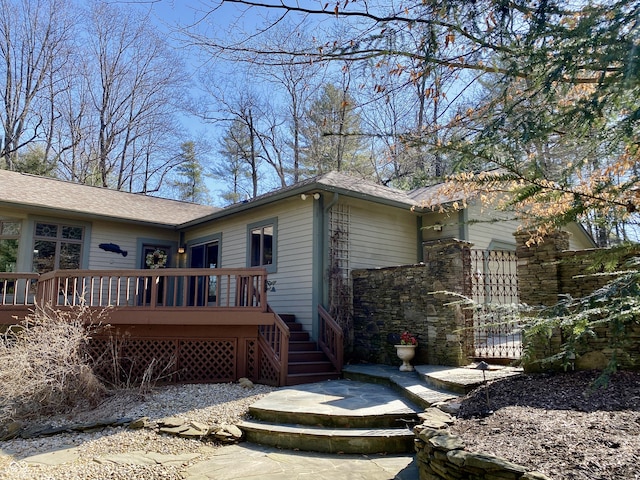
{"points": [[122, 358]]}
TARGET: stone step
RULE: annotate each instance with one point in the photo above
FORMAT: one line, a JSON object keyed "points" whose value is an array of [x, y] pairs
{"points": [[375, 420], [409, 384], [327, 440]]}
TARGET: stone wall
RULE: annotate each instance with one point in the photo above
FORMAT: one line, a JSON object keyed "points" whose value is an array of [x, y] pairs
{"points": [[389, 301], [442, 456], [549, 270]]}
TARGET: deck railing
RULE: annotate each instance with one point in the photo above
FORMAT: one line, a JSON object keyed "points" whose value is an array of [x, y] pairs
{"points": [[174, 288], [274, 343], [330, 338], [18, 289], [201, 297]]}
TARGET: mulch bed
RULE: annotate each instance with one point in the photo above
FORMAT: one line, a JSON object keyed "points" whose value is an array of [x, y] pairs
{"points": [[558, 424]]}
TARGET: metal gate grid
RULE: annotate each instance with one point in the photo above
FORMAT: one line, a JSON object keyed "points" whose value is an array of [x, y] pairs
{"points": [[494, 290]]}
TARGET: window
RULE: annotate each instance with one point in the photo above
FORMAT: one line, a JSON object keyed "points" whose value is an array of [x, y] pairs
{"points": [[262, 245], [57, 247], [9, 237]]}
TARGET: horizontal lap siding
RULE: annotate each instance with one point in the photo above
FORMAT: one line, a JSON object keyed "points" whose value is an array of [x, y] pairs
{"points": [[293, 287], [482, 233], [381, 236], [126, 237]]}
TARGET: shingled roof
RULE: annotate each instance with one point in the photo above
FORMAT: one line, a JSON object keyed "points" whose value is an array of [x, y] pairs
{"points": [[51, 195]]}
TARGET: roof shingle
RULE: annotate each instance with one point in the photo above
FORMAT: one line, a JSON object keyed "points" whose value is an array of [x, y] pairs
{"points": [[49, 193]]}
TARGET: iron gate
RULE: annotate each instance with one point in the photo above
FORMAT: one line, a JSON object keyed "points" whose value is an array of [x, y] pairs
{"points": [[494, 291]]}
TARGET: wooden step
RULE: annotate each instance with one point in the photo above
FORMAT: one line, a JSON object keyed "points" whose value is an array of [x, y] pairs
{"points": [[307, 356], [300, 378], [298, 337], [307, 363], [294, 326], [296, 346], [311, 367]]}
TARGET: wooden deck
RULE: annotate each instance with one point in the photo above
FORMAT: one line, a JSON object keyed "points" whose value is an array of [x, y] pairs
{"points": [[207, 325], [216, 323]]}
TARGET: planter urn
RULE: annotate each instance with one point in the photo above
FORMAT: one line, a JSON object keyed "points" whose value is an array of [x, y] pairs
{"points": [[406, 354]]}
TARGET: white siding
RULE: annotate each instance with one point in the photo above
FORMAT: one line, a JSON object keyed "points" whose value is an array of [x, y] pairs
{"points": [[294, 254], [381, 236]]}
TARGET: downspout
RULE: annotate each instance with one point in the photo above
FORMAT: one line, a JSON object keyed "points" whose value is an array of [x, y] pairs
{"points": [[320, 294]]}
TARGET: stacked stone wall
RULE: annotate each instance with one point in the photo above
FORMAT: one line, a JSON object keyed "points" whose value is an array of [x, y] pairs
{"points": [[549, 270], [389, 301], [442, 456]]}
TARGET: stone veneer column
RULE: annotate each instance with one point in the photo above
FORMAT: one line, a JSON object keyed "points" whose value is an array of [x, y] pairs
{"points": [[539, 269], [539, 284], [448, 261]]}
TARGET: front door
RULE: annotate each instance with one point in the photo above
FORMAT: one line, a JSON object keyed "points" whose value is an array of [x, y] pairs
{"points": [[204, 288], [154, 257]]}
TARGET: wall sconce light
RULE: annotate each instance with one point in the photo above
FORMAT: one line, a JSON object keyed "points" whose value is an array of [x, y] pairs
{"points": [[437, 227], [181, 249], [316, 196]]}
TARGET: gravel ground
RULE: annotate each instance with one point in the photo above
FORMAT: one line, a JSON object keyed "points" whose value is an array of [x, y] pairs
{"points": [[209, 404]]}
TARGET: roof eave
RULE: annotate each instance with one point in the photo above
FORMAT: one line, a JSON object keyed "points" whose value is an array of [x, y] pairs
{"points": [[292, 192], [49, 211]]}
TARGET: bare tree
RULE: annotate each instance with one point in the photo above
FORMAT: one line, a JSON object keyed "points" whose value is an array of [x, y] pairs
{"points": [[135, 83], [34, 36]]}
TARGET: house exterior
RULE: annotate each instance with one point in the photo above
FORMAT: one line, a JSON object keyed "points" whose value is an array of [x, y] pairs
{"points": [[307, 237]]}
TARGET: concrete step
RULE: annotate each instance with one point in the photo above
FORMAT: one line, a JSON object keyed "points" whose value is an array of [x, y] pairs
{"points": [[327, 440]]}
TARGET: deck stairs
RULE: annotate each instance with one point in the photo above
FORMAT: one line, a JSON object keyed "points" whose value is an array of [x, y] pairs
{"points": [[307, 362]]}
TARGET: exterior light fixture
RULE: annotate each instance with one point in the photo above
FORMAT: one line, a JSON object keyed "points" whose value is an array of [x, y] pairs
{"points": [[304, 196], [181, 249], [437, 227]]}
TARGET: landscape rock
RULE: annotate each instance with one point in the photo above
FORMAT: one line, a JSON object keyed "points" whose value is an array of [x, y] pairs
{"points": [[11, 430], [245, 382]]}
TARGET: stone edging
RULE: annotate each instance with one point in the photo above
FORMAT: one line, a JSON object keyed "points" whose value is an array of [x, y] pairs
{"points": [[224, 433], [441, 455]]}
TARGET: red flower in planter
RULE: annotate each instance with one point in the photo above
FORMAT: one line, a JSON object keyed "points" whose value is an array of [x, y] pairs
{"points": [[408, 339]]}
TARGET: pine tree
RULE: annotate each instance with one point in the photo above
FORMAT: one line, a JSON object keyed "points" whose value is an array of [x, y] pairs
{"points": [[189, 182]]}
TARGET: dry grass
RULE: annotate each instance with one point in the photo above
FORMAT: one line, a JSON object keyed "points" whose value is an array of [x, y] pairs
{"points": [[43, 366]]}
